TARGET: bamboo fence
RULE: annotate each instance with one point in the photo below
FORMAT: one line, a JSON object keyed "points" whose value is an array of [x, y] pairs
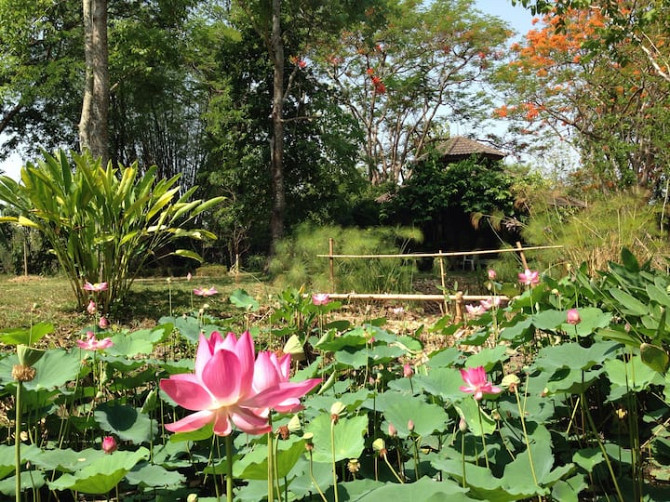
{"points": [[459, 298]]}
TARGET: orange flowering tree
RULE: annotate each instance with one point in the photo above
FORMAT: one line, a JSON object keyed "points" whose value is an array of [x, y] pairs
{"points": [[403, 78], [582, 76]]}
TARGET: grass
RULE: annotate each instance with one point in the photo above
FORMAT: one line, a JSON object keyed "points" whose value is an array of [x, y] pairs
{"points": [[26, 300]]}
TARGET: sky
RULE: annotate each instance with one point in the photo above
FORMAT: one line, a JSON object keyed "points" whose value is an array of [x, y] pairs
{"points": [[517, 17]]}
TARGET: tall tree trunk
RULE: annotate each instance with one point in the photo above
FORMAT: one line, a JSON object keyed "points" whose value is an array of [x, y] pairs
{"points": [[93, 127], [277, 140]]}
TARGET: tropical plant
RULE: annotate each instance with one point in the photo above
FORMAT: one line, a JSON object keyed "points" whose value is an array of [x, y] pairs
{"points": [[103, 224]]}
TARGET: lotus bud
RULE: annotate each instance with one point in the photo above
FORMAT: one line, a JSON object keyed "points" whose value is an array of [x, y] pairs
{"points": [[109, 444], [392, 430], [309, 444], [103, 323], [192, 497], [91, 308], [573, 317], [407, 371], [462, 425], [492, 274], [169, 280], [410, 425], [189, 276]]}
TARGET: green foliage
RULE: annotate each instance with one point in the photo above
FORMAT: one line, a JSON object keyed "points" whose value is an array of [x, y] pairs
{"points": [[296, 262], [103, 224], [596, 234]]}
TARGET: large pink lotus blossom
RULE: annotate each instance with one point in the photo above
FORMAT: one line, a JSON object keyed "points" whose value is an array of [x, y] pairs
{"points": [[92, 343], [231, 386], [205, 292], [476, 383], [320, 299], [96, 288], [529, 277]]}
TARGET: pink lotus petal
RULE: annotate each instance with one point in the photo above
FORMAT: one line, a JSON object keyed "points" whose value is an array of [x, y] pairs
{"points": [[249, 422], [273, 396], [221, 377], [204, 353], [222, 425], [191, 422], [187, 394]]}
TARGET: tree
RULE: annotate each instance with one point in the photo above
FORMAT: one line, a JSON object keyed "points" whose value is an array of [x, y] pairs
{"points": [[573, 77], [404, 78], [41, 55], [320, 140], [93, 126]]}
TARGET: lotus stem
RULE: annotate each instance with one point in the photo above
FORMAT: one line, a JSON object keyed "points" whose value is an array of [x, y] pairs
{"points": [[392, 469], [525, 436], [311, 475], [332, 452], [229, 468], [17, 441], [481, 428]]}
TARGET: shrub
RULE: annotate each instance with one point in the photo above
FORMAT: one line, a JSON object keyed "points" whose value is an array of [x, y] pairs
{"points": [[102, 223], [296, 262]]}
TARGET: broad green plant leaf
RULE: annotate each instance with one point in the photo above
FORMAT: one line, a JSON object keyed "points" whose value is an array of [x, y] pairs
{"points": [[243, 300], [349, 441], [128, 423], [254, 465], [102, 474], [479, 422], [26, 336], [154, 476], [427, 418], [654, 357], [630, 304]]}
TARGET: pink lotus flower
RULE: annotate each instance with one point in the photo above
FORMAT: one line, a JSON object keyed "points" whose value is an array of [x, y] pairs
{"points": [[109, 444], [320, 299], [91, 308], [205, 292], [96, 288], [492, 274], [573, 317], [477, 384], [231, 386], [92, 343], [529, 278], [474, 310]]}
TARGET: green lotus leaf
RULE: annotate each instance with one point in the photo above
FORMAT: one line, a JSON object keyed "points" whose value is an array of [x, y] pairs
{"points": [[427, 418], [154, 476], [102, 474], [349, 440], [128, 423]]}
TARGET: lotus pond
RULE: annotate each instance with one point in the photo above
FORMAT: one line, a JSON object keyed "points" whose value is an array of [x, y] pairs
{"points": [[561, 394]]}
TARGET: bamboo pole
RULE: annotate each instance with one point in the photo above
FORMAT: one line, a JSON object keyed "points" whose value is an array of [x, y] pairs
{"points": [[522, 256], [444, 283], [331, 246], [434, 255], [411, 297]]}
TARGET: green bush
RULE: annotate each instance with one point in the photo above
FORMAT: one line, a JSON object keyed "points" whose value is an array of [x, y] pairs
{"points": [[103, 224], [296, 262], [596, 234]]}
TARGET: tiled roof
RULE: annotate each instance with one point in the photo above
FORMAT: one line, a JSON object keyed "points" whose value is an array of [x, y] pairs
{"points": [[459, 146]]}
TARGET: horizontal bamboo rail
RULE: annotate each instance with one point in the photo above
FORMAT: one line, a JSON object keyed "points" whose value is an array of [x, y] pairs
{"points": [[410, 297], [437, 255]]}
